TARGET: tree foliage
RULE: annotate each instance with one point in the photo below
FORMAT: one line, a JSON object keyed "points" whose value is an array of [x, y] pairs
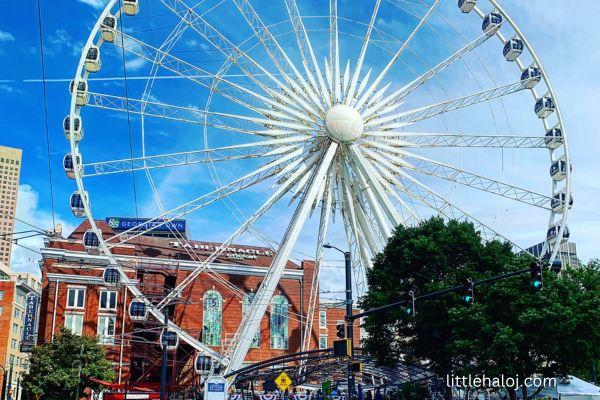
{"points": [[54, 369], [512, 329]]}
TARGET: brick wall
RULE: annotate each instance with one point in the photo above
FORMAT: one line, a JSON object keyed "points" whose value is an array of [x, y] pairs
{"points": [[8, 287]]}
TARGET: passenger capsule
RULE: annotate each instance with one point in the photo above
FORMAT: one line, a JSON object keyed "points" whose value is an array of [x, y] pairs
{"points": [[92, 59], [513, 49], [76, 130], [111, 276], [559, 201], [556, 266], [77, 204], [83, 96], [138, 311], [91, 242], [532, 76], [554, 138], [109, 25], [544, 107], [491, 23], [131, 7], [69, 166], [558, 170], [553, 232], [466, 6], [169, 339], [202, 364]]}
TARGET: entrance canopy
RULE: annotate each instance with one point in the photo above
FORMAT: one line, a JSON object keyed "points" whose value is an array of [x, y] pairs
{"points": [[573, 389]]}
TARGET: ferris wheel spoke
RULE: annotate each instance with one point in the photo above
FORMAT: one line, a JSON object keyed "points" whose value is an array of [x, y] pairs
{"points": [[250, 67], [266, 148], [444, 140], [251, 179], [371, 109], [334, 52], [350, 91], [236, 123], [395, 58], [276, 52], [409, 117], [243, 338], [457, 175], [306, 50]]}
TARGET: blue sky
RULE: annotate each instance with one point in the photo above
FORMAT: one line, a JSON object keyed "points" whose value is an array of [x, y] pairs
{"points": [[565, 40]]}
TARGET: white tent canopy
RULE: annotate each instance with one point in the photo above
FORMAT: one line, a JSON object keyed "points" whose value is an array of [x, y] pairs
{"points": [[573, 389]]}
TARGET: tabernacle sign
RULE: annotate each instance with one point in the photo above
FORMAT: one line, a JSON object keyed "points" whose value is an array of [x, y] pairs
{"points": [[215, 388]]}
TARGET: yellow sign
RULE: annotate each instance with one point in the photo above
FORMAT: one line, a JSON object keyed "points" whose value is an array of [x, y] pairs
{"points": [[283, 381]]}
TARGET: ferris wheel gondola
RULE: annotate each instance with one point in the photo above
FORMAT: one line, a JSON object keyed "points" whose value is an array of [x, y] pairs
{"points": [[138, 311]]}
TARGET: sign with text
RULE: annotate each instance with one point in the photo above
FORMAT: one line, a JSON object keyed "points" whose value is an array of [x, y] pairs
{"points": [[158, 225], [29, 323], [215, 388], [283, 381]]}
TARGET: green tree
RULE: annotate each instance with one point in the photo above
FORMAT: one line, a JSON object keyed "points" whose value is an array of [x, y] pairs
{"points": [[54, 369], [511, 329]]}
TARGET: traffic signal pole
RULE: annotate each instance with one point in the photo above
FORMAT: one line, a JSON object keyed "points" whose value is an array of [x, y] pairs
{"points": [[163, 374], [349, 321]]}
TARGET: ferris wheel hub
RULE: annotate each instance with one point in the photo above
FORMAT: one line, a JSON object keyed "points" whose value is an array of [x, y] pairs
{"points": [[344, 124]]}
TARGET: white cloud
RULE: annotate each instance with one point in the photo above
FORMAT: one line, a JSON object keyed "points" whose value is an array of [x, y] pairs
{"points": [[6, 37], [29, 210], [95, 3]]}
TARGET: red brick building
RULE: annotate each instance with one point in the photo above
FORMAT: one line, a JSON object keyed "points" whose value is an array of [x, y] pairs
{"points": [[211, 308]]}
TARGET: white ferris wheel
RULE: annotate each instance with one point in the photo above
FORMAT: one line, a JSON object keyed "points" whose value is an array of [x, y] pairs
{"points": [[358, 115]]}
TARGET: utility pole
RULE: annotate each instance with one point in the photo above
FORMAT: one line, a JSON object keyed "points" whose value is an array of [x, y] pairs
{"points": [[163, 375], [9, 386], [80, 365], [349, 321]]}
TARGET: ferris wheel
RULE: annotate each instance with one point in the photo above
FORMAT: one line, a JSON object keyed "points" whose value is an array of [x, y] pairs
{"points": [[358, 118]]}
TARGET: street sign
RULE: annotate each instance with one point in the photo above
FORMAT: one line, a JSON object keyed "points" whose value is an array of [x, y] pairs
{"points": [[283, 381], [215, 388]]}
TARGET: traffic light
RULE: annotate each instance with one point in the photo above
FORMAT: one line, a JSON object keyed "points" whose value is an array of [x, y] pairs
{"points": [[469, 296], [342, 348], [537, 280], [341, 330], [357, 367], [410, 304]]}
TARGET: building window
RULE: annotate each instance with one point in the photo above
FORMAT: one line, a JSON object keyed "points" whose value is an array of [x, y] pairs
{"points": [[106, 329], [322, 342], [13, 344], [74, 322], [108, 300], [279, 322], [248, 299], [212, 318], [17, 313], [11, 359], [15, 329], [1, 294], [0, 310], [323, 319], [76, 298]]}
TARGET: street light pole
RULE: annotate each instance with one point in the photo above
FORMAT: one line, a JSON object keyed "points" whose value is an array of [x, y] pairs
{"points": [[3, 395], [163, 375], [10, 372], [349, 319]]}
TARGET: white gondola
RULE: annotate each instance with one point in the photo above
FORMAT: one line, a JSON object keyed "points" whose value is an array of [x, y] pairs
{"points": [[92, 59], [83, 96], [138, 311], [556, 266], [131, 7], [202, 364], [553, 232], [544, 107], [109, 24], [466, 6], [533, 76], [111, 276], [554, 138], [169, 339], [91, 242], [558, 170], [491, 23], [69, 166], [76, 130], [513, 48], [77, 204], [559, 201]]}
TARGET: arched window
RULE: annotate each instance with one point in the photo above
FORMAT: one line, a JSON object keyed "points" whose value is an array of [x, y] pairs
{"points": [[248, 299], [212, 318], [279, 322]]}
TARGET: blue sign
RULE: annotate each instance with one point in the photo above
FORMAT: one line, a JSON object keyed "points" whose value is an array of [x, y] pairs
{"points": [[159, 225], [216, 387], [29, 334]]}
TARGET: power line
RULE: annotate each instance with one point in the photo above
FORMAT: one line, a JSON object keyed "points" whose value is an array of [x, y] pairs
{"points": [[46, 110]]}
